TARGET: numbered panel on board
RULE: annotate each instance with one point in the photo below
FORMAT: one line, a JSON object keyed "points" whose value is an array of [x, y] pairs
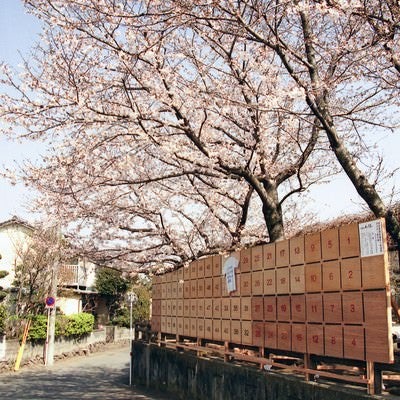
{"points": [[325, 293]]}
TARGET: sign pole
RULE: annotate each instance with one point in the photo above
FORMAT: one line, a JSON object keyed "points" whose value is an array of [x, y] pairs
{"points": [[131, 297]]}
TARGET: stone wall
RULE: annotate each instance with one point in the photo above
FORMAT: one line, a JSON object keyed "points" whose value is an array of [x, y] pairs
{"points": [[185, 376], [63, 346]]}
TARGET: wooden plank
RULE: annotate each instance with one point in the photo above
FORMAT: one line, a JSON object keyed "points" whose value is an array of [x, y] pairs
{"points": [[270, 308], [186, 289], [193, 269], [208, 308], [313, 277], [247, 333], [312, 245], [200, 308], [378, 333], [235, 308], [200, 287], [193, 308], [282, 253], [179, 325], [330, 244], [245, 260], [193, 327], [257, 308], [264, 361], [200, 328], [180, 294], [258, 334], [217, 286], [315, 339], [353, 337], [283, 308], [314, 307], [352, 308], [173, 307], [257, 260], [216, 308], [208, 267], [226, 330], [297, 279], [208, 287], [332, 307], [284, 336], [269, 256], [298, 307], [245, 304], [333, 340], [296, 248], [236, 332], [186, 326], [193, 289], [217, 329], [226, 308], [351, 273], [179, 308], [200, 268], [270, 335], [217, 265], [257, 283], [208, 328], [245, 284], [331, 276], [269, 281], [375, 273], [349, 241], [282, 280], [299, 338]]}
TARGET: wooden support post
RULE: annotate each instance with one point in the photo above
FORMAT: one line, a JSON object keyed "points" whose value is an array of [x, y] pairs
{"points": [[308, 364], [374, 376], [226, 348], [261, 354], [378, 380], [199, 344], [370, 377]]}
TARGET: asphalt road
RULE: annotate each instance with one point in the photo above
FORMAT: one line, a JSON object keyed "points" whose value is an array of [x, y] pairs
{"points": [[100, 376]]}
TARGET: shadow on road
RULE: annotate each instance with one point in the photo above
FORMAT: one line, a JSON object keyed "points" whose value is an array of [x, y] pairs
{"points": [[98, 383]]}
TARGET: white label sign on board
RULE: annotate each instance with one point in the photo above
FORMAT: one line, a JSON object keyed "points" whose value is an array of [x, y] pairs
{"points": [[371, 238], [229, 271]]}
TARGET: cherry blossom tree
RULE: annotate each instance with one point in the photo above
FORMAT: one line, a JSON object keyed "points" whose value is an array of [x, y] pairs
{"points": [[341, 54], [167, 131]]}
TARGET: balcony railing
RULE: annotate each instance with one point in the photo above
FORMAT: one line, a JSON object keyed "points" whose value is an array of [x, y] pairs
{"points": [[74, 275]]}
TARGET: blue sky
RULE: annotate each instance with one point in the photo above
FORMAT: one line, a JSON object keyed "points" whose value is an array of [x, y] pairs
{"points": [[18, 33]]}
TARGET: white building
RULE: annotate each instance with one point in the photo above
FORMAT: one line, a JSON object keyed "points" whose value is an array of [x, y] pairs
{"points": [[13, 236], [76, 278]]}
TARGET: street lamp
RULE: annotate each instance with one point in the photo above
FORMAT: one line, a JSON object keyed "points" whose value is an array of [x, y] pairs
{"points": [[131, 297]]}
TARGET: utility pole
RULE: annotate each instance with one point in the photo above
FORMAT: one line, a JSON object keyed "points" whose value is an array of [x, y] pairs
{"points": [[52, 311], [131, 298]]}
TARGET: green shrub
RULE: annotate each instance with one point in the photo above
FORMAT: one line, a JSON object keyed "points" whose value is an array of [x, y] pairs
{"points": [[79, 325], [75, 325], [38, 328], [61, 325], [3, 319]]}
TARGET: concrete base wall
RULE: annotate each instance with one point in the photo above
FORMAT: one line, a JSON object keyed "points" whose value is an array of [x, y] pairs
{"points": [[187, 377]]}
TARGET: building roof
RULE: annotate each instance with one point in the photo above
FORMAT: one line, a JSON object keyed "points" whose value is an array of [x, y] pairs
{"points": [[16, 221]]}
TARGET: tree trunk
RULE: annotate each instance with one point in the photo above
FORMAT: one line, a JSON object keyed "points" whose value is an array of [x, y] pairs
{"points": [[320, 107]]}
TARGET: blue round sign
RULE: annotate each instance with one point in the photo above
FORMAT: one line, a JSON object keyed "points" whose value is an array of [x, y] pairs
{"points": [[50, 301]]}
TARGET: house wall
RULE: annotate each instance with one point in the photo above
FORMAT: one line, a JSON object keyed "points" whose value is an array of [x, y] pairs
{"points": [[12, 238], [70, 305]]}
